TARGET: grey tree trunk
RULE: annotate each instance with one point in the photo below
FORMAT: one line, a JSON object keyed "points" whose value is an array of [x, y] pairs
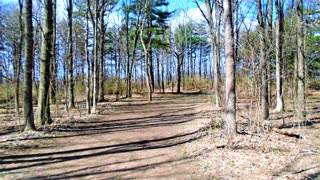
{"points": [[43, 110], [88, 104], [279, 56], [18, 59], [263, 67], [28, 67], [231, 126], [269, 48], [300, 101], [101, 62], [95, 61], [70, 58], [53, 66]]}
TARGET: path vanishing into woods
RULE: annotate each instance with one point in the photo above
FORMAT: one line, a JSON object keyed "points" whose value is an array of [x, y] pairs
{"points": [[133, 140]]}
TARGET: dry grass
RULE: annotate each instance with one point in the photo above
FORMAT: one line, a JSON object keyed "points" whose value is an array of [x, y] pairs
{"points": [[259, 152]]}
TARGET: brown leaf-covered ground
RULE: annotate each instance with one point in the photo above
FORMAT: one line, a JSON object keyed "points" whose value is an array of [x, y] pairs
{"points": [[171, 138]]}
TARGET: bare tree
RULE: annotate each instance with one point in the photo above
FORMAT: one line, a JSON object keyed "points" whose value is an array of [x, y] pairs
{"points": [[279, 55], [28, 66], [43, 109], [71, 103], [88, 103], [300, 101], [214, 43], [263, 63], [231, 126]]}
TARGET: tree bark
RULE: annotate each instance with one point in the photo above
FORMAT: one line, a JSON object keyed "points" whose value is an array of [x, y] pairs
{"points": [[43, 110], [88, 99], [101, 68], [53, 66], [231, 126], [263, 63], [18, 60], [95, 61], [300, 101], [28, 67], [70, 58], [279, 56]]}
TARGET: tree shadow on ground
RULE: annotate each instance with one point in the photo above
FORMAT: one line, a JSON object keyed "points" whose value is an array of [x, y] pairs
{"points": [[25, 161]]}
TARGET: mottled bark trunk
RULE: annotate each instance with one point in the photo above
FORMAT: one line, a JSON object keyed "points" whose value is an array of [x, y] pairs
{"points": [[28, 67], [101, 65], [300, 101], [43, 110], [53, 64]]}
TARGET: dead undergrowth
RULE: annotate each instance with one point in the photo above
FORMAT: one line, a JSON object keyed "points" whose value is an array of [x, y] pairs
{"points": [[280, 148]]}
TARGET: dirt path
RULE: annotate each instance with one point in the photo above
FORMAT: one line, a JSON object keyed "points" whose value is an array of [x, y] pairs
{"points": [[136, 140]]}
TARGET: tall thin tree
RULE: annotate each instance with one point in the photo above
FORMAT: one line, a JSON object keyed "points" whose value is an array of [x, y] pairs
{"points": [[300, 101], [279, 55], [231, 126], [263, 64], [28, 67], [71, 102]]}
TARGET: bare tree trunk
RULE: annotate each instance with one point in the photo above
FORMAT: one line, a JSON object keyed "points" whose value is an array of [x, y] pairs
{"points": [[300, 102], [231, 126], [70, 58], [88, 99], [101, 68], [95, 61], [269, 48], [28, 66], [263, 69], [279, 56], [118, 69], [213, 38], [53, 65], [43, 109], [18, 60]]}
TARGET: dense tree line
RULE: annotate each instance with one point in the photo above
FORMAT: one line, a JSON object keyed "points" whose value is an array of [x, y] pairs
{"points": [[89, 54]]}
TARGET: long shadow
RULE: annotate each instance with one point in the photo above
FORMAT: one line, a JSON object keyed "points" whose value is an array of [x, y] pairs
{"points": [[84, 128], [79, 173], [41, 159]]}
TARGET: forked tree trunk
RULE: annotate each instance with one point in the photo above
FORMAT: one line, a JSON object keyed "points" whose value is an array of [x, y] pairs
{"points": [[28, 66], [43, 110], [231, 126]]}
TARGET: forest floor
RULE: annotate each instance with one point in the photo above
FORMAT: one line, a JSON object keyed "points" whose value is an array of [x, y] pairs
{"points": [[174, 137]]}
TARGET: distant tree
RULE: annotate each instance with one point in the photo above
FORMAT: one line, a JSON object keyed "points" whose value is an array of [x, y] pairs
{"points": [[28, 66], [214, 32]]}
